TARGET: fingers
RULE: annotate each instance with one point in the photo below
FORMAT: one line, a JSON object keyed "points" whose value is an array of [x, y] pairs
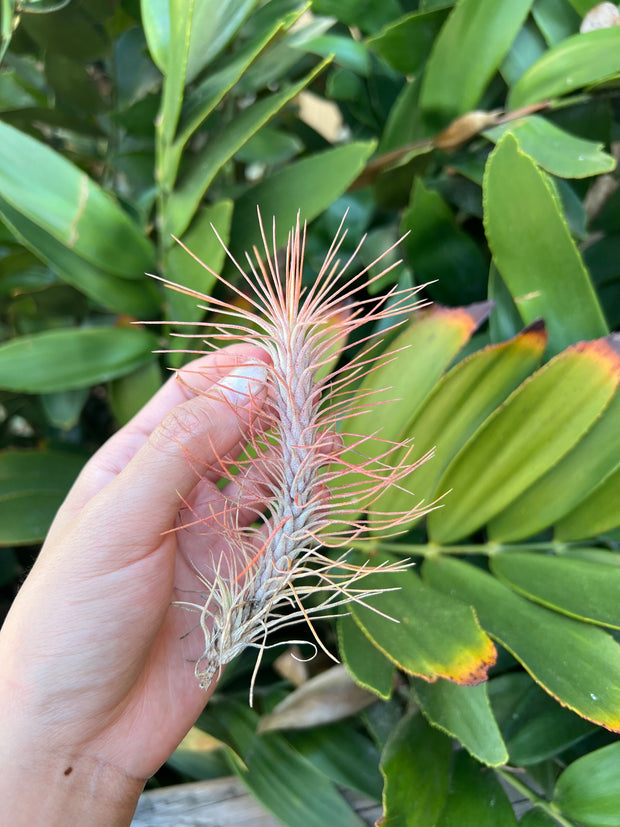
{"points": [[142, 502], [198, 377]]}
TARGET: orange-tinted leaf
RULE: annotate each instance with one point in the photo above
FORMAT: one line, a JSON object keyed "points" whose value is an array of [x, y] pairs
{"points": [[435, 636]]}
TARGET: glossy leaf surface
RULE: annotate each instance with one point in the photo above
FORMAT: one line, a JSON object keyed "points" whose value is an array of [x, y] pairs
{"points": [[425, 346], [543, 419], [205, 166], [464, 713], [434, 636], [588, 789], [597, 514], [554, 149], [187, 271], [582, 588], [63, 201], [370, 668], [309, 186], [567, 484], [416, 757], [467, 52], [438, 249], [33, 485], [578, 61], [302, 796], [343, 754], [406, 42], [130, 296], [543, 270], [588, 682], [475, 797], [535, 727], [59, 360], [459, 404]]}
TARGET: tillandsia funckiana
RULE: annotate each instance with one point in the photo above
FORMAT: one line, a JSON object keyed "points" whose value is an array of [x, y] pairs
{"points": [[309, 479]]}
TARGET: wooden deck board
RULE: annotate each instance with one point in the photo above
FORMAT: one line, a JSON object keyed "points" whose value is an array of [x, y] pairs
{"points": [[225, 802]]}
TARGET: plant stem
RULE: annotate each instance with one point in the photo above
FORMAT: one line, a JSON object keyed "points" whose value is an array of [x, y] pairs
{"points": [[547, 806], [432, 549]]}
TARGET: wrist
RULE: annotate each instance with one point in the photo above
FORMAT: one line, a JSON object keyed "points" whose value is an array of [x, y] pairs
{"points": [[56, 791]]}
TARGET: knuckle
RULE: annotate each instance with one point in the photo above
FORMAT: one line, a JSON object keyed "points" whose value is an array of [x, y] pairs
{"points": [[179, 427]]}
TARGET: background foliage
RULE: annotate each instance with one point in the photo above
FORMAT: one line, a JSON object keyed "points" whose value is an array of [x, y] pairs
{"points": [[488, 130]]}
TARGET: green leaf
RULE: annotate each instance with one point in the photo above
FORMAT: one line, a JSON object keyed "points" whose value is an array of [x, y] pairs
{"points": [[59, 360], [464, 713], [537, 727], [433, 637], [155, 16], [346, 52], [72, 30], [457, 406], [405, 43], [467, 52], [368, 16], [198, 31], [204, 167], [63, 409], [505, 321], [308, 186], [554, 149], [537, 818], [588, 789], [213, 24], [6, 25], [122, 295], [201, 102], [437, 248], [555, 19], [63, 201], [542, 420], [280, 778], [582, 7], [416, 767], [33, 485], [567, 483], [369, 667], [72, 85], [342, 754], [129, 393], [180, 27], [526, 49], [185, 271], [583, 589], [475, 798], [597, 514], [270, 146], [422, 351], [542, 267], [581, 60], [576, 663]]}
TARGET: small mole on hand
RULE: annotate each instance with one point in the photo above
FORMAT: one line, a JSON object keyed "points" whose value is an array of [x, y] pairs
{"points": [[69, 770]]}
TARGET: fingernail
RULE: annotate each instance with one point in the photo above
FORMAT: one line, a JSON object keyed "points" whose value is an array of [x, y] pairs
{"points": [[243, 383]]}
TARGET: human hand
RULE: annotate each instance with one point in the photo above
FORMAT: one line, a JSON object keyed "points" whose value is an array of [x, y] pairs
{"points": [[97, 685]]}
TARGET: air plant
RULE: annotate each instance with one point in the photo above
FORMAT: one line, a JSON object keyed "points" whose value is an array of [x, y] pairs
{"points": [[310, 478]]}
